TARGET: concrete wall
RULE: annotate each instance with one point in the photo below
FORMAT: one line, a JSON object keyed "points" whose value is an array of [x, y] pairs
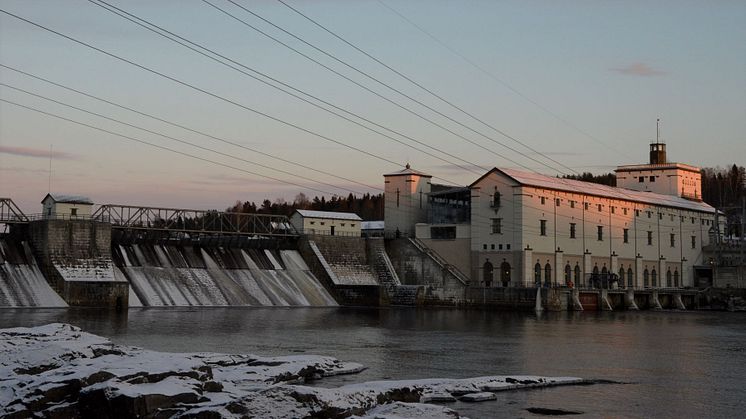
{"points": [[75, 257], [415, 267], [405, 202], [456, 251]]}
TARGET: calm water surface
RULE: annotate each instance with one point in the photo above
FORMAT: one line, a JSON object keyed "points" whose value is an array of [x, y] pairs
{"points": [[677, 364]]}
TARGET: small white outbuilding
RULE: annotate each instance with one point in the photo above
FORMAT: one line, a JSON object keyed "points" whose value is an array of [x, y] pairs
{"points": [[66, 206], [326, 223]]}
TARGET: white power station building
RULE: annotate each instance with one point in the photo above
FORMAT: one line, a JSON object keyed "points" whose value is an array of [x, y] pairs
{"points": [[515, 228]]}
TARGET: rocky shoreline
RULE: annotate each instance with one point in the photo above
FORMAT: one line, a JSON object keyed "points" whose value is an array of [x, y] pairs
{"points": [[59, 371]]}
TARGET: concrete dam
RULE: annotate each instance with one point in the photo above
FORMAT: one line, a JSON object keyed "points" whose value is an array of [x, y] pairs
{"points": [[175, 275]]}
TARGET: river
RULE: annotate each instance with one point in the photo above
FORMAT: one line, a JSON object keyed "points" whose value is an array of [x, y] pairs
{"points": [[673, 364]]}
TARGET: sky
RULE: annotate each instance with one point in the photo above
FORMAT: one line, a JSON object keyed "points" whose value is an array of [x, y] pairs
{"points": [[547, 86]]}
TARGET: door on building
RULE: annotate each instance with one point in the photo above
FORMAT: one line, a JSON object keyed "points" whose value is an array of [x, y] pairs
{"points": [[487, 273], [505, 273], [332, 231]]}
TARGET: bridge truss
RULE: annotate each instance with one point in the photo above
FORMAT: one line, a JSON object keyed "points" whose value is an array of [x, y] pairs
{"points": [[192, 221], [10, 213]]}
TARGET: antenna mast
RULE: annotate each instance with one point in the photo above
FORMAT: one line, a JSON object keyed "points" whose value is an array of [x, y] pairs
{"points": [[50, 169]]}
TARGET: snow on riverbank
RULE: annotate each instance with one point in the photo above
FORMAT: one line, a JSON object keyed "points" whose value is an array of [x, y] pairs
{"points": [[59, 370]]}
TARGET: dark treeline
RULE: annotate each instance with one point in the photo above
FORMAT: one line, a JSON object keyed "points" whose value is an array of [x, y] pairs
{"points": [[607, 179], [368, 207]]}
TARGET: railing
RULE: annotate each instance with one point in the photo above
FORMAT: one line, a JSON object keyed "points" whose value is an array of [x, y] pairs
{"points": [[10, 213], [314, 232], [194, 221], [439, 260], [66, 217]]}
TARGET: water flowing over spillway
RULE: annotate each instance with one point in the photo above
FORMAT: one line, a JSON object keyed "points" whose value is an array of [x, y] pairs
{"points": [[165, 275], [21, 282]]}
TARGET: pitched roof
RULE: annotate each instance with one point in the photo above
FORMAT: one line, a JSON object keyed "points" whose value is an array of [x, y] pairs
{"points": [[372, 225], [580, 187], [407, 171], [68, 199], [329, 214]]}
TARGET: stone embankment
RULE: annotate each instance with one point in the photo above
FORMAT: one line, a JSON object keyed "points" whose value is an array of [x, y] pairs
{"points": [[59, 371]]}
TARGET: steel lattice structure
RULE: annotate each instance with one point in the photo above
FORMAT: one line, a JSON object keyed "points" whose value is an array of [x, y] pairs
{"points": [[10, 213], [194, 221]]}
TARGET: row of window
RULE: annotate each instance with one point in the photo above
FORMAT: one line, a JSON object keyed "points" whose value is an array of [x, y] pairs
{"points": [[600, 207], [499, 247], [649, 278], [600, 234], [323, 223]]}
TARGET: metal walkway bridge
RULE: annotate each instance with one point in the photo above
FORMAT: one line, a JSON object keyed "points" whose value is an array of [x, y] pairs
{"points": [[191, 221], [10, 213]]}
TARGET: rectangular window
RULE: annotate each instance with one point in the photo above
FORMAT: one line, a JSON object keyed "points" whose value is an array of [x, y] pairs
{"points": [[660, 215], [600, 233], [672, 217], [650, 238], [73, 212], [694, 220], [637, 212], [543, 227], [694, 242], [500, 247], [625, 211], [613, 210], [673, 240], [322, 223], [352, 225], [681, 218], [492, 246], [342, 224], [626, 235], [507, 247], [313, 222], [484, 246], [572, 204], [600, 207], [650, 214], [543, 200], [497, 226], [586, 206], [557, 201], [642, 179], [572, 230], [652, 178]]}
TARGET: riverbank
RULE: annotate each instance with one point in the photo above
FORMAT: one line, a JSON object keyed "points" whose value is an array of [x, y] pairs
{"points": [[57, 370]]}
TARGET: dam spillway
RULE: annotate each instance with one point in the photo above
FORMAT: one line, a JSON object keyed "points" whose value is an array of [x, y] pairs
{"points": [[22, 284], [175, 275]]}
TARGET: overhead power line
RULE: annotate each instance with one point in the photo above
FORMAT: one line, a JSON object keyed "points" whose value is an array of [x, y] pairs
{"points": [[159, 119], [191, 144], [439, 97], [193, 46], [366, 88], [495, 78], [193, 87], [160, 147]]}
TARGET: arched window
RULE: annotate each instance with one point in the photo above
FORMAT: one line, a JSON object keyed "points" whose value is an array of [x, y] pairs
{"points": [[669, 277], [537, 274], [676, 278], [630, 277], [547, 274], [496, 200], [577, 274], [654, 277], [568, 273], [646, 278], [487, 273], [620, 280]]}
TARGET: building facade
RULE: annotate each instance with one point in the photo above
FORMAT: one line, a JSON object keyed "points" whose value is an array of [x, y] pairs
{"points": [[527, 229], [66, 206], [326, 223]]}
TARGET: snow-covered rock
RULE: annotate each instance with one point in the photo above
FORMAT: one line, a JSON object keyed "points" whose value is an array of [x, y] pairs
{"points": [[60, 371]]}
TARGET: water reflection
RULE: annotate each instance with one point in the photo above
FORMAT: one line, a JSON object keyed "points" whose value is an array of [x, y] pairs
{"points": [[681, 364]]}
